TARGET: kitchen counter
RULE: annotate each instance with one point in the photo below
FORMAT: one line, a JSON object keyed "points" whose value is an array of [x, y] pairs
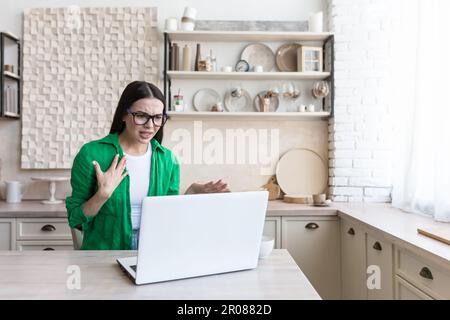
{"points": [[400, 227], [32, 209], [43, 275], [35, 209]]}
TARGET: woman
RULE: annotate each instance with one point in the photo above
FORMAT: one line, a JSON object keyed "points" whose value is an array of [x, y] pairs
{"points": [[111, 176]]}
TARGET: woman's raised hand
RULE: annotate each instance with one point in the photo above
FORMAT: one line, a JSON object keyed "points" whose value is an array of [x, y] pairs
{"points": [[210, 187], [109, 180]]}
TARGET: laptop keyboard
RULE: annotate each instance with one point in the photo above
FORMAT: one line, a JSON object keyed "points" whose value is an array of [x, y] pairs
{"points": [[134, 268]]}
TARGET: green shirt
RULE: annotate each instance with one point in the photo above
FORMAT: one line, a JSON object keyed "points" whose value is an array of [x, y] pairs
{"points": [[111, 228]]}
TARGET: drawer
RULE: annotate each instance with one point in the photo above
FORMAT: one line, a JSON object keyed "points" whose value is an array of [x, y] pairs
{"points": [[43, 245], [426, 276], [406, 291], [43, 229]]}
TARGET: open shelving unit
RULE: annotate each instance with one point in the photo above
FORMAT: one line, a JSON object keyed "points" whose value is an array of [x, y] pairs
{"points": [[203, 75], [326, 38], [7, 40], [194, 115]]}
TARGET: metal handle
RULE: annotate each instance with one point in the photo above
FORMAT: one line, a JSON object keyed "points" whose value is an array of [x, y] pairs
{"points": [[48, 249], [48, 228], [377, 246], [351, 231], [426, 273], [312, 226]]}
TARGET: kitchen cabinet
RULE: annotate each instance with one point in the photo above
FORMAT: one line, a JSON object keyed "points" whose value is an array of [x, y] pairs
{"points": [[43, 229], [272, 228], [314, 244], [35, 234], [7, 234], [423, 274], [353, 261], [380, 256], [43, 245], [406, 291]]}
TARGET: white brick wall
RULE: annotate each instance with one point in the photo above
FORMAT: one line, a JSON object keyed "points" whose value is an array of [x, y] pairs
{"points": [[359, 158]]}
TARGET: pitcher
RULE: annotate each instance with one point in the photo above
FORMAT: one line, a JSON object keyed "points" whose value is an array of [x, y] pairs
{"points": [[14, 191]]}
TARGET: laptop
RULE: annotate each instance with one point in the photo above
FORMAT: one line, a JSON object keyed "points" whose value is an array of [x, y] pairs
{"points": [[197, 235]]}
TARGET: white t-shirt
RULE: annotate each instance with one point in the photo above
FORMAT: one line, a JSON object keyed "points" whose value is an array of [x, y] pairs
{"points": [[138, 168]]}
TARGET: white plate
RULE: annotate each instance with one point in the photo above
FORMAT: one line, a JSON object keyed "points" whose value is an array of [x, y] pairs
{"points": [[242, 104], [258, 54], [204, 99], [274, 102], [302, 171]]}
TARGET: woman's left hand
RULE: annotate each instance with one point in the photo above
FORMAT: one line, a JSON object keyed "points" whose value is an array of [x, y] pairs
{"points": [[210, 187]]}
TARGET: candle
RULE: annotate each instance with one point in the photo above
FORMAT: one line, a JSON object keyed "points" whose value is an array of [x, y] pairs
{"points": [[316, 22], [171, 24]]}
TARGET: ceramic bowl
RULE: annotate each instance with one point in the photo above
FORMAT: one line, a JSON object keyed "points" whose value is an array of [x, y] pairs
{"points": [[267, 244]]}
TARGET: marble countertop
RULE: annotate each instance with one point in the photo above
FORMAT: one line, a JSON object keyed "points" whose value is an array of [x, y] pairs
{"points": [[43, 275]]}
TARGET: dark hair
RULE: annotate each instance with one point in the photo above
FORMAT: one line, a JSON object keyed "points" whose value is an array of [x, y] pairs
{"points": [[135, 91]]}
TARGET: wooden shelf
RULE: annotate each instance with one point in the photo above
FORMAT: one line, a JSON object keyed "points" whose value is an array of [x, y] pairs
{"points": [[234, 36], [11, 75], [248, 115], [12, 115], [199, 75], [11, 36]]}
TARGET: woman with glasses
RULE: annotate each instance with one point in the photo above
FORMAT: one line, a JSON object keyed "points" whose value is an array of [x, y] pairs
{"points": [[111, 176]]}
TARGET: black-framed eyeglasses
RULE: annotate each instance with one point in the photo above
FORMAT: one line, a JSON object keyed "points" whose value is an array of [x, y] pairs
{"points": [[142, 118]]}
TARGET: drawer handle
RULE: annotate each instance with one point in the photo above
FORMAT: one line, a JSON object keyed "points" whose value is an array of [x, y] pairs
{"points": [[426, 273], [48, 249], [351, 231], [48, 228], [312, 226], [377, 246]]}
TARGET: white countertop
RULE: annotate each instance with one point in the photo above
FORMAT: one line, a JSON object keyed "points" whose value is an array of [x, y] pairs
{"points": [[42, 275], [400, 227]]}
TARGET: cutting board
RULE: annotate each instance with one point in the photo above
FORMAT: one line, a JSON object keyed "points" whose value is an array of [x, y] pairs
{"points": [[302, 172], [441, 234]]}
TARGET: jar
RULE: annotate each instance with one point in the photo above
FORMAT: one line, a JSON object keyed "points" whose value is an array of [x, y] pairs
{"points": [[178, 103]]}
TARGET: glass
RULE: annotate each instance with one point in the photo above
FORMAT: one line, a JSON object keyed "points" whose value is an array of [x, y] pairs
{"points": [[142, 118]]}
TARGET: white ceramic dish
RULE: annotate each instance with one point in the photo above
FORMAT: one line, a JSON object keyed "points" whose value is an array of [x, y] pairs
{"points": [[242, 104], [267, 245], [274, 102], [258, 54], [204, 99]]}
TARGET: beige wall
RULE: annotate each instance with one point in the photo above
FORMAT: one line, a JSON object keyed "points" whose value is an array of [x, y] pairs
{"points": [[292, 134]]}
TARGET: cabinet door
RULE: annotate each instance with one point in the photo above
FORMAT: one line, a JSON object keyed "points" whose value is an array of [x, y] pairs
{"points": [[7, 234], [353, 262], [314, 245], [406, 291], [380, 254], [272, 228]]}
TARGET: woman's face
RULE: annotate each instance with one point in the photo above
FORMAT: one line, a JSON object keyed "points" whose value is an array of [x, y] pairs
{"points": [[143, 107]]}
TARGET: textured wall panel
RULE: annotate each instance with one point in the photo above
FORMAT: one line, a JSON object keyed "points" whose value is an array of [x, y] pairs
{"points": [[76, 62]]}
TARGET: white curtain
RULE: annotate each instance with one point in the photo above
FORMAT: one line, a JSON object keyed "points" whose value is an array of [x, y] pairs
{"points": [[421, 100]]}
